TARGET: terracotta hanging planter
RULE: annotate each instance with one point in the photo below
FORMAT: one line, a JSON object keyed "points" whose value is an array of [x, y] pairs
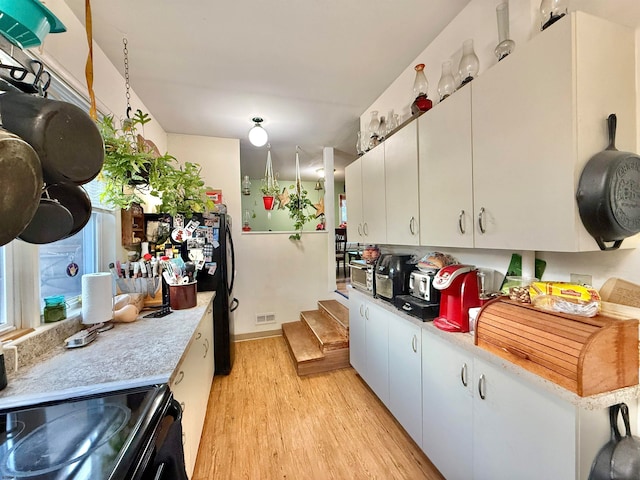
{"points": [[268, 202]]}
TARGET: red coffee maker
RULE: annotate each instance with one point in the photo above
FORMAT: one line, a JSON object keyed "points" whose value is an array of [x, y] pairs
{"points": [[458, 285]]}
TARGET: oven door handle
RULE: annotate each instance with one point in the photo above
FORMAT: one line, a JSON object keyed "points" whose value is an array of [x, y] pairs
{"points": [[159, 472], [175, 410]]}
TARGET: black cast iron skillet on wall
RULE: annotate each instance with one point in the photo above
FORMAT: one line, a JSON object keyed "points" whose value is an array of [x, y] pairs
{"points": [[608, 194]]}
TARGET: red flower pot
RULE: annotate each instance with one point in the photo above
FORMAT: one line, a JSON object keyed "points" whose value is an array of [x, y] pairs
{"points": [[268, 202]]}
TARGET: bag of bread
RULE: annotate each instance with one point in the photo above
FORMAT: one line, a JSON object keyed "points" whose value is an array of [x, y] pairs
{"points": [[565, 297]]}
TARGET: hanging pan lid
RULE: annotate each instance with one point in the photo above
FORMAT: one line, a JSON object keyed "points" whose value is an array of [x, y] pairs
{"points": [[20, 185]]}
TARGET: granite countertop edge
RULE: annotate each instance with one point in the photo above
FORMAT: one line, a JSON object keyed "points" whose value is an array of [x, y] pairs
{"points": [[144, 352]]}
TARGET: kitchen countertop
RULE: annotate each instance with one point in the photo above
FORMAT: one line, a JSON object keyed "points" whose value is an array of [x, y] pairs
{"points": [[466, 342], [143, 352]]}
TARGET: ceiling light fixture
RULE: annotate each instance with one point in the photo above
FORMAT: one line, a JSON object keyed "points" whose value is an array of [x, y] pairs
{"points": [[258, 135]]}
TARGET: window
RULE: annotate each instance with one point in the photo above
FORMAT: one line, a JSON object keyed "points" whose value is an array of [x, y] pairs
{"points": [[4, 296], [29, 272]]}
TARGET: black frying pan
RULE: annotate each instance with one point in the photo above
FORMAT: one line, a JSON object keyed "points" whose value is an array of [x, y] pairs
{"points": [[65, 137], [20, 185], [51, 222], [609, 194], [75, 199], [601, 466]]}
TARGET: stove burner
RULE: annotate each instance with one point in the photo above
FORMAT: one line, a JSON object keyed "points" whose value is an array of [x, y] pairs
{"points": [[65, 440], [11, 431]]}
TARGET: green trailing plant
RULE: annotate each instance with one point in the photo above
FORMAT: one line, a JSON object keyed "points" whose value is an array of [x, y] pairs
{"points": [[133, 166], [300, 209]]}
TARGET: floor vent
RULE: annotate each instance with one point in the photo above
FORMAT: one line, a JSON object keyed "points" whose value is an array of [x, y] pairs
{"points": [[265, 318]]}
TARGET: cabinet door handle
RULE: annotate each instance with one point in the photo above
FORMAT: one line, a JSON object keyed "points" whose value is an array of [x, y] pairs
{"points": [[366, 313], [412, 228], [362, 310], [180, 377], [414, 344], [481, 221], [463, 375], [198, 336], [360, 230], [461, 222], [365, 229], [206, 347], [481, 387]]}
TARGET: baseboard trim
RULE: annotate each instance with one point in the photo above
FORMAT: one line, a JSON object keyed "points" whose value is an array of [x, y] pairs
{"points": [[255, 335]]}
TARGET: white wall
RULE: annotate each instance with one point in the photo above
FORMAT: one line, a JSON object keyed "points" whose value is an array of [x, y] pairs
{"points": [[274, 274], [478, 21]]}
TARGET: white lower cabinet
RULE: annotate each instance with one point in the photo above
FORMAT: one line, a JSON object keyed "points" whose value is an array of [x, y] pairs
{"points": [[370, 336], [191, 384], [447, 406], [519, 431], [405, 371], [481, 422]]}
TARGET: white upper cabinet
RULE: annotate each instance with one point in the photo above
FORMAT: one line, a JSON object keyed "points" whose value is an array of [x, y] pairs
{"points": [[445, 165], [538, 116], [364, 184], [353, 187], [401, 178], [374, 224]]}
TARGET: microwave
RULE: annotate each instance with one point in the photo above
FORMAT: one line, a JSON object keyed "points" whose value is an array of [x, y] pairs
{"points": [[361, 275]]}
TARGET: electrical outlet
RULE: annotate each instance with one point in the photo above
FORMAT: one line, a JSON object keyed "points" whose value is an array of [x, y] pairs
{"points": [[581, 278]]}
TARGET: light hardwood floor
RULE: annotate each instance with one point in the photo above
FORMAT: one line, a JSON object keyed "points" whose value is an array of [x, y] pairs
{"points": [[264, 422]]}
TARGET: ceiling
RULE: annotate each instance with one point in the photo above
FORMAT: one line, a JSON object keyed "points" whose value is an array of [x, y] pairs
{"points": [[309, 68]]}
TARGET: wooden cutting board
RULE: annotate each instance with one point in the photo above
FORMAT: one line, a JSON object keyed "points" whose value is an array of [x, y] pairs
{"points": [[616, 290]]}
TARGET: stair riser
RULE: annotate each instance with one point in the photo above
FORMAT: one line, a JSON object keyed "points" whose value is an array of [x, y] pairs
{"points": [[332, 361]]}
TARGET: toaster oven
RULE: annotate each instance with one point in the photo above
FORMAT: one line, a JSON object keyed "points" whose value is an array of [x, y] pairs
{"points": [[361, 275]]}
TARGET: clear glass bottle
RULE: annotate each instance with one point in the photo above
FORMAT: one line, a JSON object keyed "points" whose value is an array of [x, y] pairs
{"points": [[359, 144], [505, 45], [246, 186], [447, 84], [469, 64], [382, 128], [551, 11], [392, 122], [374, 123], [421, 91]]}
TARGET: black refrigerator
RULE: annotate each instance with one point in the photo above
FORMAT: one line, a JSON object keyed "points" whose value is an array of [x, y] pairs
{"points": [[206, 240]]}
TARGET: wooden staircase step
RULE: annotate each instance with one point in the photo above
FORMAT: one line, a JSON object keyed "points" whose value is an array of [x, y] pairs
{"points": [[329, 333], [302, 344], [336, 310], [306, 353]]}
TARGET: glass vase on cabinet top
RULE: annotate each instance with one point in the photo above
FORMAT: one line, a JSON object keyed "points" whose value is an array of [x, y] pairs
{"points": [[420, 90], [551, 11], [469, 64], [505, 45], [374, 124], [447, 84]]}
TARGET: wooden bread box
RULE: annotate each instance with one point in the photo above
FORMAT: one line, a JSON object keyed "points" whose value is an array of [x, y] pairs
{"points": [[584, 355]]}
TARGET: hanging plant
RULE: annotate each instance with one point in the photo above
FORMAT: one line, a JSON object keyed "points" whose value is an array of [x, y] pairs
{"points": [[133, 166], [270, 188], [300, 206]]}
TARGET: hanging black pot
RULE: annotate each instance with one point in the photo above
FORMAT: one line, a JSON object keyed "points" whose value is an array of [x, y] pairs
{"points": [[51, 222], [65, 137], [75, 199], [20, 185], [608, 194]]}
